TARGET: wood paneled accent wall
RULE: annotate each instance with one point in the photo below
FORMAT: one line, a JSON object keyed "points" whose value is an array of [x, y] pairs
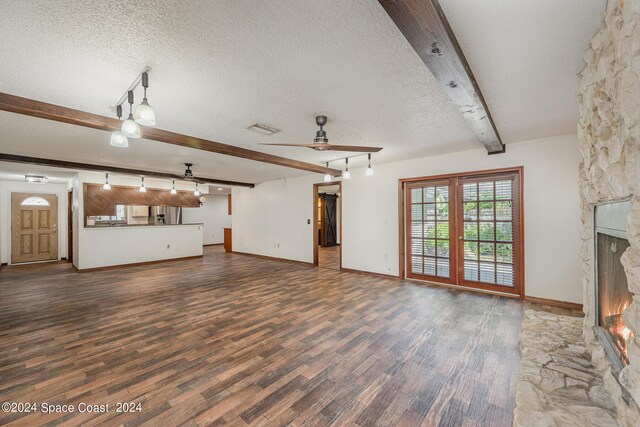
{"points": [[103, 202]]}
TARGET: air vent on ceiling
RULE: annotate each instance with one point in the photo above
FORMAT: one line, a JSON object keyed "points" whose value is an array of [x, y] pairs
{"points": [[263, 129]]}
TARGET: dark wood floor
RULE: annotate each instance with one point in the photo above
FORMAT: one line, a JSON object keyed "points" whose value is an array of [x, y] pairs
{"points": [[329, 257], [243, 340]]}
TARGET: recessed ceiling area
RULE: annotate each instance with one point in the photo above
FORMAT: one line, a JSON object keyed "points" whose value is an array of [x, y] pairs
{"points": [[219, 67]]}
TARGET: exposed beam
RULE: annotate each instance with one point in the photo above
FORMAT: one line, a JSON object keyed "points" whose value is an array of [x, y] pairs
{"points": [[30, 107], [113, 169], [425, 26]]}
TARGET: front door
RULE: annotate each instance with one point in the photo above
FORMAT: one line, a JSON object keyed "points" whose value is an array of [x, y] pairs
{"points": [[34, 227]]}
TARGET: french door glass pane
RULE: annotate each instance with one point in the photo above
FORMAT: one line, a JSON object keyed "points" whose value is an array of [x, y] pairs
{"points": [[487, 233], [429, 230]]}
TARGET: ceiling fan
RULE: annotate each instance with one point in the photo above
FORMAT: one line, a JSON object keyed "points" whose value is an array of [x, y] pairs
{"points": [[188, 173], [321, 142]]}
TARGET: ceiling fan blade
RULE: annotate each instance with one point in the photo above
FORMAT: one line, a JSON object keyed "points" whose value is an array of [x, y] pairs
{"points": [[353, 148], [291, 145]]}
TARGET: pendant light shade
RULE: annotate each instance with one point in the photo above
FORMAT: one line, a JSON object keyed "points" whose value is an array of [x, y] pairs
{"points": [[130, 128], [144, 113], [197, 192], [106, 185], [142, 188], [117, 138], [369, 169], [327, 176], [346, 174], [173, 189]]}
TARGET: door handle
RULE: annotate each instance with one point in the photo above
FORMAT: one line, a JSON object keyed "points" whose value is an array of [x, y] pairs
{"points": [[460, 238], [55, 228]]}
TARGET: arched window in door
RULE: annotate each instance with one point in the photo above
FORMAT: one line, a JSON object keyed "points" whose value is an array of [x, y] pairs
{"points": [[34, 201]]}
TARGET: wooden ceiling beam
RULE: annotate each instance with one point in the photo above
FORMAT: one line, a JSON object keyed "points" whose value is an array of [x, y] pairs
{"points": [[425, 26], [12, 158], [33, 108]]}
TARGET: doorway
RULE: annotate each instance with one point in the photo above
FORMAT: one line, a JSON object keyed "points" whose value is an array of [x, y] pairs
{"points": [[327, 225], [70, 226], [34, 227], [465, 230]]}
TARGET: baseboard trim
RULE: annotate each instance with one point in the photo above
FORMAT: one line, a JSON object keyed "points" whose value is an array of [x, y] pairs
{"points": [[369, 273], [134, 264], [554, 303], [213, 244], [293, 261]]}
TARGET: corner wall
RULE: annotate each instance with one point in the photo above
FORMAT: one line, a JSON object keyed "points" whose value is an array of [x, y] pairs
{"points": [[277, 212]]}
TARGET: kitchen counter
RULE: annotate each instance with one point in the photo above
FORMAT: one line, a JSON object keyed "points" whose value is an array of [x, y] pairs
{"points": [[104, 246]]}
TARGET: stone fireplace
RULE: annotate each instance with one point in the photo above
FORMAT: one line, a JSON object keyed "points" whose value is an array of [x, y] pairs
{"points": [[609, 138]]}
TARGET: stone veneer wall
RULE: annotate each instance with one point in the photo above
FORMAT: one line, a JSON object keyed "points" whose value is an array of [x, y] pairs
{"points": [[609, 134]]}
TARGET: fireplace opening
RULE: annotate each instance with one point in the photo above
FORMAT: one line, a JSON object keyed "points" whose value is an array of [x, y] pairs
{"points": [[613, 295]]}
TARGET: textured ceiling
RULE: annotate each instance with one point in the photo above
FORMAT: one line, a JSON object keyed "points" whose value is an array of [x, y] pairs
{"points": [[218, 67]]}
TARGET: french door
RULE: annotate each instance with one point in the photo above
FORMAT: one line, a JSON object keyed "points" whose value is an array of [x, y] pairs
{"points": [[466, 230]]}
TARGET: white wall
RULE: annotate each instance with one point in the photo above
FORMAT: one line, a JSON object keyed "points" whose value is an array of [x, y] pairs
{"points": [[277, 211], [102, 247], [8, 187], [214, 215], [271, 218]]}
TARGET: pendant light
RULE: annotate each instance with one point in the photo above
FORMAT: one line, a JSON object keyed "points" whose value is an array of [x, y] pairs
{"points": [[106, 185], [144, 113], [197, 193], [346, 174], [142, 188], [369, 169], [173, 189], [117, 138], [130, 128], [327, 176]]}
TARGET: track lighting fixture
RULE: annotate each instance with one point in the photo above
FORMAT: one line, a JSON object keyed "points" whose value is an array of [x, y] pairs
{"points": [[173, 189], [144, 113], [369, 169], [142, 188], [106, 185], [117, 138], [197, 192], [130, 128], [346, 174], [327, 176]]}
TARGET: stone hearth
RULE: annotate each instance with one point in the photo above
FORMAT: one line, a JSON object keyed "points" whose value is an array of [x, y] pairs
{"points": [[557, 383], [609, 135]]}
